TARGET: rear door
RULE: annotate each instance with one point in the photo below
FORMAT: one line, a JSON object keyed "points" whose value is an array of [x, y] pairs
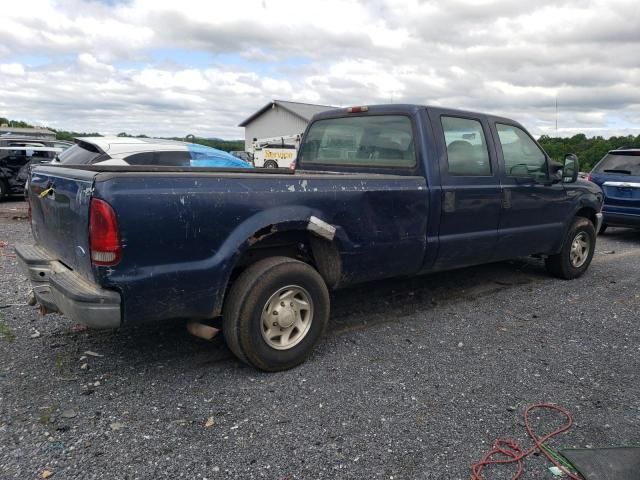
{"points": [[534, 209], [59, 200], [470, 182]]}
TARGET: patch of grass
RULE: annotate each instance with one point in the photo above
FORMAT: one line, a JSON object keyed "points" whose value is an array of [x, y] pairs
{"points": [[45, 417], [62, 363], [5, 331], [59, 363]]}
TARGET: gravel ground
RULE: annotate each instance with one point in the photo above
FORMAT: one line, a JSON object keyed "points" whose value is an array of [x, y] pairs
{"points": [[415, 379]]}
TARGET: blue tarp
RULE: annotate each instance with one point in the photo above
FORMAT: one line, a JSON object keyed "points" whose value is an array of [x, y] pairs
{"points": [[202, 156]]}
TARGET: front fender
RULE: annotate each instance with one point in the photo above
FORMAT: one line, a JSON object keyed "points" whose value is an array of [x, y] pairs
{"points": [[584, 201]]}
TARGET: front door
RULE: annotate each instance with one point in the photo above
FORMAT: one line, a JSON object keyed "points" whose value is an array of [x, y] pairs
{"points": [[471, 197], [534, 209]]}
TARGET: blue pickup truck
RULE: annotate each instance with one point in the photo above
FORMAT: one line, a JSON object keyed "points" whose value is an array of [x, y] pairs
{"points": [[379, 192]]}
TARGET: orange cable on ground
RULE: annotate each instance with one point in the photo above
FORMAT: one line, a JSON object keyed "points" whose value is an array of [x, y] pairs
{"points": [[507, 451]]}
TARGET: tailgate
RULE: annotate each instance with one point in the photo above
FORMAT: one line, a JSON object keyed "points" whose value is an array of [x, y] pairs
{"points": [[59, 199], [622, 194]]}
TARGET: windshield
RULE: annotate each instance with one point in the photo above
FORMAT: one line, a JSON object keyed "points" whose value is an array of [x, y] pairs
{"points": [[625, 164], [376, 141], [80, 154]]}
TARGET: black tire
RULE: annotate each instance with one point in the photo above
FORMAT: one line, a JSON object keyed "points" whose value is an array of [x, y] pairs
{"points": [[561, 265], [270, 164], [603, 228], [249, 295], [4, 190]]}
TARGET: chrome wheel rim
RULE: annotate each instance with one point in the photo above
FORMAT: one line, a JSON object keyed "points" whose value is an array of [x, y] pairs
{"points": [[579, 250], [287, 317]]}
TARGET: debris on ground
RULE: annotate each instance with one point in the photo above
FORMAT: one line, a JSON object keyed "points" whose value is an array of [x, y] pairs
{"points": [[93, 354], [69, 414]]}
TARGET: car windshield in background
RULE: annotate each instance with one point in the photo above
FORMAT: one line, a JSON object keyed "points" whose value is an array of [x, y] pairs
{"points": [[375, 141], [79, 154], [622, 163]]}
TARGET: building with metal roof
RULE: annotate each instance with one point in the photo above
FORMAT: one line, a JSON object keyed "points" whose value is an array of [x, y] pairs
{"points": [[34, 132], [279, 118]]}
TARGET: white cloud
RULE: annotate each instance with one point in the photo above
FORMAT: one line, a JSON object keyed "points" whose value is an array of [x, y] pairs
{"points": [[12, 69], [161, 67]]}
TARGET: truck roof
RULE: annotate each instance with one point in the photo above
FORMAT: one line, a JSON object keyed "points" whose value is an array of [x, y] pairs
{"points": [[405, 108]]}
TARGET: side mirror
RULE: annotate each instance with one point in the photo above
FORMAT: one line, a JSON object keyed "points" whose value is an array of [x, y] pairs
{"points": [[571, 168], [555, 171]]}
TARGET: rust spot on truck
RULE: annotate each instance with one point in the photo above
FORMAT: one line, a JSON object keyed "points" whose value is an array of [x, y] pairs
{"points": [[262, 234]]}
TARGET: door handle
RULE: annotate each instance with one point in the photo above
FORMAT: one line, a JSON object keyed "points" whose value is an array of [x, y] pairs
{"points": [[506, 198], [449, 204]]}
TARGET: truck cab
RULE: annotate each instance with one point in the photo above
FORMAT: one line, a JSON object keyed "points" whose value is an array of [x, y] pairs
{"points": [[493, 192]]}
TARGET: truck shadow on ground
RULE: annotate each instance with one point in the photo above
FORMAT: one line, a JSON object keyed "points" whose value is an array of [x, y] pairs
{"points": [[390, 299], [353, 309], [627, 235]]}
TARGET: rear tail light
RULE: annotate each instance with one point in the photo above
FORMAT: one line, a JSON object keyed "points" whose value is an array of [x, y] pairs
{"points": [[292, 165], [589, 177], [104, 238]]}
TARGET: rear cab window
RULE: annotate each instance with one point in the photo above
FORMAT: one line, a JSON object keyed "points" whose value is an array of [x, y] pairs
{"points": [[378, 141]]}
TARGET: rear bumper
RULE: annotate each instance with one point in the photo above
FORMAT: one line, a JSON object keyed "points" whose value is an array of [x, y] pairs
{"points": [[621, 219], [60, 289]]}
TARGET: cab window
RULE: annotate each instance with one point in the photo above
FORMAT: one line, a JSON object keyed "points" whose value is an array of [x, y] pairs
{"points": [[372, 141], [522, 157], [467, 153]]}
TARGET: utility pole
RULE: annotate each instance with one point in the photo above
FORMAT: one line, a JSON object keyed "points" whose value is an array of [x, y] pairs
{"points": [[556, 114]]}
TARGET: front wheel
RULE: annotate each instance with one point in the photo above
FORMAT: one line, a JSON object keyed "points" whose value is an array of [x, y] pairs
{"points": [[577, 251], [275, 313]]}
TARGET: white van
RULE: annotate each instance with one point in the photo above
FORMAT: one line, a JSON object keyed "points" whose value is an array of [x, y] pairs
{"points": [[276, 152]]}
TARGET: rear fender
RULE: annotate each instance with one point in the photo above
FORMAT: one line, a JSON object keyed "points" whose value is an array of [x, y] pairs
{"points": [[253, 230]]}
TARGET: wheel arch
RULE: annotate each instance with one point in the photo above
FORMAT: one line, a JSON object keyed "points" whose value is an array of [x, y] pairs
{"points": [[278, 232], [581, 210], [587, 211]]}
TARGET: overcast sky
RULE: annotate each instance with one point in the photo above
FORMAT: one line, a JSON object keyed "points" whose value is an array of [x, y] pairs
{"points": [[177, 67]]}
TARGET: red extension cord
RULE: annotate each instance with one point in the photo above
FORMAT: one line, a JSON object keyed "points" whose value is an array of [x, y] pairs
{"points": [[509, 451]]}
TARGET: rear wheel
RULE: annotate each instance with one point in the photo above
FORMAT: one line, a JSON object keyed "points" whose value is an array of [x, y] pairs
{"points": [[270, 164], [275, 313], [4, 190], [577, 251], [603, 228]]}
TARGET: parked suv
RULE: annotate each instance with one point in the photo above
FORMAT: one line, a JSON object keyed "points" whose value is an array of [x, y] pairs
{"points": [[15, 161], [618, 174], [124, 151]]}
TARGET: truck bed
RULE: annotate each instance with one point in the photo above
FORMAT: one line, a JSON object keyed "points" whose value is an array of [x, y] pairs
{"points": [[183, 228]]}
